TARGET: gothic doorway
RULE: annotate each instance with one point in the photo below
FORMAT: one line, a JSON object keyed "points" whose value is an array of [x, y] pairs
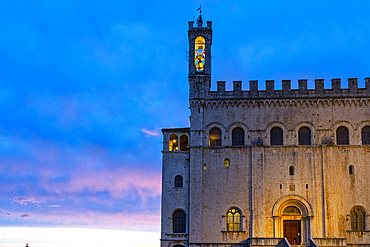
{"points": [[292, 231], [292, 216]]}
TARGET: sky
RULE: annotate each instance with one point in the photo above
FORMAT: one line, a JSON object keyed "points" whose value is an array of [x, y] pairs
{"points": [[87, 86]]}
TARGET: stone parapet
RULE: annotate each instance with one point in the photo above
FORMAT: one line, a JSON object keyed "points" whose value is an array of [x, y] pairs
{"points": [[287, 92]]}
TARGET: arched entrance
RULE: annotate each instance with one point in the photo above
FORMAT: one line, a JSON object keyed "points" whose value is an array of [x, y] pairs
{"points": [[292, 215]]}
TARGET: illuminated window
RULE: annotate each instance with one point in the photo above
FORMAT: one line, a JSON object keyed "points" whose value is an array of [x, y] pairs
{"points": [[342, 136], [227, 162], [351, 170], [357, 219], [365, 135], [215, 137], [183, 143], [291, 210], [276, 136], [173, 143], [304, 136], [233, 219], [179, 221], [179, 181], [291, 170], [200, 54], [238, 137]]}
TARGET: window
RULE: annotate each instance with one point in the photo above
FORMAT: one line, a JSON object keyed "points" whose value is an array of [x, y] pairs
{"points": [[173, 143], [179, 181], [342, 136], [179, 221], [357, 219], [365, 135], [233, 219], [351, 170], [238, 137], [304, 136], [291, 170], [276, 136], [200, 54], [227, 162], [183, 143], [215, 137]]}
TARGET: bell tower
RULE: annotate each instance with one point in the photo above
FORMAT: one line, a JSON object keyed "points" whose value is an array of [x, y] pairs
{"points": [[200, 42]]}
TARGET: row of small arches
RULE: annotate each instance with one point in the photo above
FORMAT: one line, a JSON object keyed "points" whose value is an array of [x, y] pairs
{"points": [[280, 102], [277, 136]]}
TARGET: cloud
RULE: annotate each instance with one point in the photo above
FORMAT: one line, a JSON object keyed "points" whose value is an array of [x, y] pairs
{"points": [[6, 213], [25, 215], [25, 200], [151, 132]]}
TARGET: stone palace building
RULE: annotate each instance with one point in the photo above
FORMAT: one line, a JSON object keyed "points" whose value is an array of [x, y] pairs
{"points": [[266, 167]]}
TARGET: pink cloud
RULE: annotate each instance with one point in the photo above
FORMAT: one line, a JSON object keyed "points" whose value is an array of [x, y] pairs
{"points": [[119, 182], [25, 200], [150, 132], [143, 220]]}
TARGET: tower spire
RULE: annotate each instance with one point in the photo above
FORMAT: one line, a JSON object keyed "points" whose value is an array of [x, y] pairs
{"points": [[200, 19]]}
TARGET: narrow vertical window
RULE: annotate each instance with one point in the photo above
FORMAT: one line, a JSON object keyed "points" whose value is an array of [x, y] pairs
{"points": [[351, 170], [304, 136], [179, 221], [200, 54], [179, 181], [365, 135], [173, 143], [215, 137], [353, 221], [183, 143], [291, 170], [238, 137], [233, 220], [276, 136], [227, 162], [342, 136]]}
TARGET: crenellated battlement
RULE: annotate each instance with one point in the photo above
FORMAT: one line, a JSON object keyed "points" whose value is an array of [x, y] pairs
{"points": [[287, 92]]}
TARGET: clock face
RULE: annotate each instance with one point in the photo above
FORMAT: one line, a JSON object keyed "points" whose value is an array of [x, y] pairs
{"points": [[200, 55]]}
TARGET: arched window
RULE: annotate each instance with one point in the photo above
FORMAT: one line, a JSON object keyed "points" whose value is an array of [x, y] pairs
{"points": [[183, 143], [233, 220], [291, 170], [351, 170], [215, 137], [342, 136], [276, 136], [227, 162], [365, 135], [179, 221], [238, 137], [200, 54], [304, 136], [357, 219], [179, 181], [173, 143]]}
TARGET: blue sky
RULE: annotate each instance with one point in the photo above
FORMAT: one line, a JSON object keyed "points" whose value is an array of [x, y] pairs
{"points": [[86, 87]]}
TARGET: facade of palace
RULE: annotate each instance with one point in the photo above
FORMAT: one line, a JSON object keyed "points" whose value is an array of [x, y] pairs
{"points": [[266, 167]]}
